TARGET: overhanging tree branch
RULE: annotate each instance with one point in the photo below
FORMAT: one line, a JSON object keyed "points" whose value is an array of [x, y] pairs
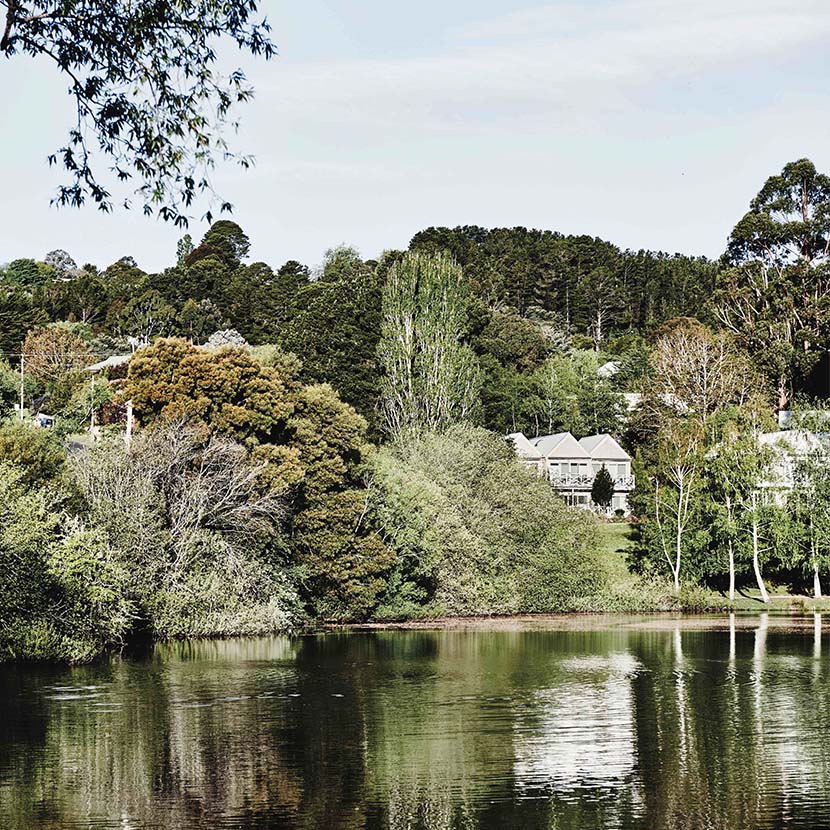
{"points": [[152, 106]]}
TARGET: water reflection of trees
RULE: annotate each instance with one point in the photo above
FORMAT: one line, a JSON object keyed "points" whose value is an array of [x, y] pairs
{"points": [[710, 752], [171, 743], [630, 728]]}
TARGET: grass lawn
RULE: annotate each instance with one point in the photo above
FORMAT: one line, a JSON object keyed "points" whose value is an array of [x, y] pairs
{"points": [[616, 542]]}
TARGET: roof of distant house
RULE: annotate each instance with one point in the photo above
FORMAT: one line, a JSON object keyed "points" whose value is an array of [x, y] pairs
{"points": [[523, 447], [604, 447], [797, 441], [113, 360], [609, 369], [560, 445]]}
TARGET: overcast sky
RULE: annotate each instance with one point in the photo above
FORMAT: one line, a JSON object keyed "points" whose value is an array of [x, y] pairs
{"points": [[650, 123]]}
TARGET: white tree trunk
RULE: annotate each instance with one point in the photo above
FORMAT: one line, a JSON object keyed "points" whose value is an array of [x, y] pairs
{"points": [[756, 564], [731, 572], [816, 581], [677, 551]]}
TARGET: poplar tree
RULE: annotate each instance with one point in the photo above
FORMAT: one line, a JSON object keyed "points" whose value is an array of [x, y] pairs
{"points": [[431, 376]]}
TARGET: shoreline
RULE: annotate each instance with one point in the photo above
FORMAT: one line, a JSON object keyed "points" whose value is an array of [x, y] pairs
{"points": [[779, 618]]}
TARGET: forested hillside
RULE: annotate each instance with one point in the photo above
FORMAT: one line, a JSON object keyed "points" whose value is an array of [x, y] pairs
{"points": [[327, 443], [535, 294], [593, 287]]}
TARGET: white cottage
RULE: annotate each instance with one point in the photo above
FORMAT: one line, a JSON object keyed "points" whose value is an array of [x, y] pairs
{"points": [[788, 447], [571, 465], [528, 454]]}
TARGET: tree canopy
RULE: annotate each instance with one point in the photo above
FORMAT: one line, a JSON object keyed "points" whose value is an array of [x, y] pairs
{"points": [[151, 104]]}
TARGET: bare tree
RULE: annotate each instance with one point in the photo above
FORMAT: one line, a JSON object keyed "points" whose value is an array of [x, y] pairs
{"points": [[677, 478], [696, 372], [200, 484], [51, 352]]}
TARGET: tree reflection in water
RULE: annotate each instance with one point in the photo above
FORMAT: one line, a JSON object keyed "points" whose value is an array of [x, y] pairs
{"points": [[656, 724]]}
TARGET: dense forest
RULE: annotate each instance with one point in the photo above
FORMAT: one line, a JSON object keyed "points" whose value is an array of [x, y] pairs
{"points": [[326, 443], [532, 295]]}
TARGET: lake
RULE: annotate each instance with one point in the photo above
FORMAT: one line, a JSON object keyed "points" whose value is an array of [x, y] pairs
{"points": [[593, 722]]}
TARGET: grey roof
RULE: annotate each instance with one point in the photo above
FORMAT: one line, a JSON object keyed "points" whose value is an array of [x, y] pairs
{"points": [[604, 446], [113, 360], [560, 445], [523, 447], [609, 369]]}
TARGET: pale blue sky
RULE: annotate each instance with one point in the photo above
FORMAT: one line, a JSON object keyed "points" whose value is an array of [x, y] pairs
{"points": [[650, 123]]}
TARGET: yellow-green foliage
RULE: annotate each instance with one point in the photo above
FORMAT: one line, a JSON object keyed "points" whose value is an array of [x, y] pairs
{"points": [[476, 533], [312, 447], [227, 390]]}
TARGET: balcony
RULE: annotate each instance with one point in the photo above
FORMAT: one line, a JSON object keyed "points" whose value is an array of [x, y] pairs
{"points": [[585, 482], [571, 480]]}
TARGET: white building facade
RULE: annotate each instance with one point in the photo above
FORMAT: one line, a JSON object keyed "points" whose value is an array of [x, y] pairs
{"points": [[571, 466]]}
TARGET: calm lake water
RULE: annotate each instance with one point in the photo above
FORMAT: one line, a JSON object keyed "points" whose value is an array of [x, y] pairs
{"points": [[595, 723]]}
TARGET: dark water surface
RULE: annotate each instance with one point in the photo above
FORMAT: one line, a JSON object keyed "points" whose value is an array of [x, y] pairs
{"points": [[597, 723]]}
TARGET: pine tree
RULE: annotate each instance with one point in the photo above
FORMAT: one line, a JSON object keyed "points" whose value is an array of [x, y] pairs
{"points": [[602, 490]]}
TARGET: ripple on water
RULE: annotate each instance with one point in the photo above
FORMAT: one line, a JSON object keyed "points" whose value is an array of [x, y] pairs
{"points": [[483, 730]]}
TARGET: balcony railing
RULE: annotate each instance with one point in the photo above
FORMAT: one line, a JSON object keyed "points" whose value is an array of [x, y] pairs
{"points": [[568, 480], [584, 482]]}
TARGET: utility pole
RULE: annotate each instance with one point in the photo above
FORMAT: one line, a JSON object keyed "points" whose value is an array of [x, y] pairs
{"points": [[92, 405], [128, 437], [21, 387]]}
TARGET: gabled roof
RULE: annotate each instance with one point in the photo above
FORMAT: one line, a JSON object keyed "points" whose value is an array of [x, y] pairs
{"points": [[603, 447], [523, 447], [561, 445], [114, 360]]}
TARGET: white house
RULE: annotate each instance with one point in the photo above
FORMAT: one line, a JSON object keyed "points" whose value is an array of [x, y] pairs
{"points": [[789, 446], [528, 454], [570, 465]]}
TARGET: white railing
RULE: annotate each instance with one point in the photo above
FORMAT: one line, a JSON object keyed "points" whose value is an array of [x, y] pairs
{"points": [[569, 480], [566, 481]]}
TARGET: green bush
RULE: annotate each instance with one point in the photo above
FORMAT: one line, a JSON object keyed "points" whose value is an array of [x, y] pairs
{"points": [[34, 452], [221, 595], [61, 595], [93, 583], [476, 533]]}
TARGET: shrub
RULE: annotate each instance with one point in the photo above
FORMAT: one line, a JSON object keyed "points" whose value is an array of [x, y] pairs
{"points": [[222, 594], [194, 530], [62, 597], [476, 533], [36, 453]]}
